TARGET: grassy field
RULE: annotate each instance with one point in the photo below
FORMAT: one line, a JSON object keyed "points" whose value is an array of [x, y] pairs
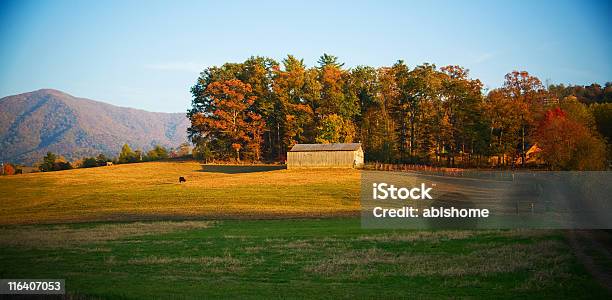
{"points": [[151, 191], [311, 258], [257, 232]]}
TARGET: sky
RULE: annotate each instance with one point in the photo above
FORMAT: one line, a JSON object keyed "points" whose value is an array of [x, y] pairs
{"points": [[147, 54]]}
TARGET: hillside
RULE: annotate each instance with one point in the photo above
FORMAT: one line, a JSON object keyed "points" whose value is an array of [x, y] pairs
{"points": [[129, 192], [49, 120]]}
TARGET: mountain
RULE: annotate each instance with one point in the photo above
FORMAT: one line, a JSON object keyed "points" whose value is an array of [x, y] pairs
{"points": [[49, 120]]}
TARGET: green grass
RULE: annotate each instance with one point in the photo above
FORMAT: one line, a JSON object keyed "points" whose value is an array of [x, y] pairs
{"points": [[307, 258]]}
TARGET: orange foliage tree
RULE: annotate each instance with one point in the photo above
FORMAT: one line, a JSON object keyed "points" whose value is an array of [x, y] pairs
{"points": [[529, 97], [8, 169], [567, 144], [229, 117], [290, 87]]}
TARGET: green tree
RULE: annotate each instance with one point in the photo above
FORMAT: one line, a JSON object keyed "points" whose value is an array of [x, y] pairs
{"points": [[420, 92], [184, 149], [363, 84], [89, 162], [52, 162], [336, 96], [602, 113], [158, 152], [577, 111], [48, 162], [378, 125], [461, 110], [127, 155], [259, 72], [334, 129], [101, 159], [294, 107], [327, 60], [202, 152]]}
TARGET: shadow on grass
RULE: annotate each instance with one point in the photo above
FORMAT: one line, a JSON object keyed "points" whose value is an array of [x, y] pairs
{"points": [[237, 169]]}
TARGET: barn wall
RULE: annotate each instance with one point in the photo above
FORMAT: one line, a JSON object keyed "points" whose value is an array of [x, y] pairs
{"points": [[324, 159]]}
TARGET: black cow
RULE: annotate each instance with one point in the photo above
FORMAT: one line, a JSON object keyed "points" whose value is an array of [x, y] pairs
{"points": [[182, 179]]}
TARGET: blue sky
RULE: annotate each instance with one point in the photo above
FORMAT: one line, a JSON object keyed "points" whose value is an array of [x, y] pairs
{"points": [[147, 54]]}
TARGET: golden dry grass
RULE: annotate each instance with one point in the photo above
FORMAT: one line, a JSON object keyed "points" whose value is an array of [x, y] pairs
{"points": [[500, 259], [213, 264], [147, 191], [66, 236]]}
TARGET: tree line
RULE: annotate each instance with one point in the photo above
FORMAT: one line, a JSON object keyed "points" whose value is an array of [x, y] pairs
{"points": [[54, 162], [589, 94], [258, 109]]}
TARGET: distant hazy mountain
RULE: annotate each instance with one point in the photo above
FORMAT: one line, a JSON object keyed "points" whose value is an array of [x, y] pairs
{"points": [[49, 120]]}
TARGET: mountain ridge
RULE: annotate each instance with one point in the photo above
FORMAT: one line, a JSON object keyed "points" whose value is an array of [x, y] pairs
{"points": [[51, 120]]}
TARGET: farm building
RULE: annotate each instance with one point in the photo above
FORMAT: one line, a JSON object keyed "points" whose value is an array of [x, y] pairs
{"points": [[348, 155]]}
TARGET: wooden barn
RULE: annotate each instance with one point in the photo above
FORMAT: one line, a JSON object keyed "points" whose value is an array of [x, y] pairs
{"points": [[349, 155]]}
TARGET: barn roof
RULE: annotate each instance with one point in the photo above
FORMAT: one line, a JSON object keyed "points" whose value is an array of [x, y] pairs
{"points": [[325, 147]]}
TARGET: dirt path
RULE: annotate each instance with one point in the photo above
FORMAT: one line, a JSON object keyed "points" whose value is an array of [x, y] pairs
{"points": [[585, 244]]}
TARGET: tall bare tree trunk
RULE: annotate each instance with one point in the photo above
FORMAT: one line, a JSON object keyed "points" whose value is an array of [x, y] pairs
{"points": [[523, 153]]}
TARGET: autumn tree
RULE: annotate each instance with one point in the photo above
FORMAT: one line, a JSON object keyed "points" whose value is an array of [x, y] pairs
{"points": [[334, 99], [335, 129], [202, 107], [8, 169], [364, 84], [420, 92], [503, 122], [602, 113], [528, 98], [295, 107], [577, 111], [404, 107], [229, 118], [259, 72], [461, 103], [567, 144], [258, 109], [377, 126]]}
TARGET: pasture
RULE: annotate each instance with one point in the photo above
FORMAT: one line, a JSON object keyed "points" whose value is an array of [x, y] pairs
{"points": [[133, 232], [151, 191], [308, 258]]}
